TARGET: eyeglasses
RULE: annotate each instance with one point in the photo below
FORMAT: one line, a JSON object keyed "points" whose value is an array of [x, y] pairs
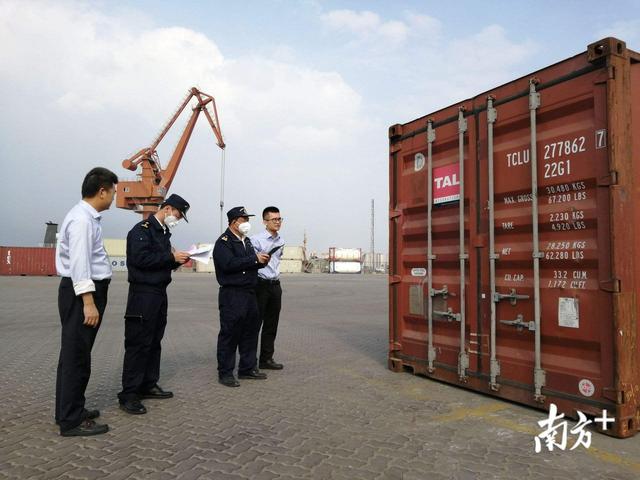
{"points": [[279, 219]]}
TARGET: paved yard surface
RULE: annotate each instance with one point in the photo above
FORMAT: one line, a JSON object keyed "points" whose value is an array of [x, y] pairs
{"points": [[335, 411]]}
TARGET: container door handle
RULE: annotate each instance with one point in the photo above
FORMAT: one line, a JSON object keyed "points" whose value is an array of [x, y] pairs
{"points": [[444, 291], [449, 315], [512, 296], [520, 324]]}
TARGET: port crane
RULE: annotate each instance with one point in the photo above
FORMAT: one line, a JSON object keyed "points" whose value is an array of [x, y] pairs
{"points": [[145, 194]]}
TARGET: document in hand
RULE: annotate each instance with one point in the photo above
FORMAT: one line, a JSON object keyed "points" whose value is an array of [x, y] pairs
{"points": [[201, 254]]}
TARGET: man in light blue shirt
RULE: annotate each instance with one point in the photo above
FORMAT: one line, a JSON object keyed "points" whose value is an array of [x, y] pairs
{"points": [[268, 290], [84, 266]]}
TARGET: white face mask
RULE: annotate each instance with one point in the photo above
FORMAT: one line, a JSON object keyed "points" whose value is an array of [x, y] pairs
{"points": [[170, 221], [244, 228]]}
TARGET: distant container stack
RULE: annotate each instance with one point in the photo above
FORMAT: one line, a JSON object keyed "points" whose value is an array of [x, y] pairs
{"points": [[345, 260], [375, 263], [28, 261], [292, 260]]}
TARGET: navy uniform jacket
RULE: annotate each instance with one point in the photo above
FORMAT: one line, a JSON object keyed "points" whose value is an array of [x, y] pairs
{"points": [[149, 257], [235, 261]]}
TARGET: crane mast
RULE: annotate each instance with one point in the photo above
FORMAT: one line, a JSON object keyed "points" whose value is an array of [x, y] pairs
{"points": [[150, 189]]}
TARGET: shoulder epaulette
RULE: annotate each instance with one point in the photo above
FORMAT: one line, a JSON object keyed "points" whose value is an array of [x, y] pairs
{"points": [[145, 224], [224, 237]]}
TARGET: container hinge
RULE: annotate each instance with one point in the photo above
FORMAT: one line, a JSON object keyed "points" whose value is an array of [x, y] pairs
{"points": [[608, 180], [512, 296], [520, 324], [444, 291], [611, 285], [449, 315], [393, 279], [394, 214]]}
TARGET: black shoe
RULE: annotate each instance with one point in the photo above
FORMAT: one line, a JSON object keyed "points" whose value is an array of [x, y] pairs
{"points": [[86, 414], [157, 392], [85, 429], [133, 407], [229, 381], [254, 374], [271, 365], [91, 414]]}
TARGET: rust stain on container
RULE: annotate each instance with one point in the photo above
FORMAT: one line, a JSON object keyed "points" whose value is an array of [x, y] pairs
{"points": [[513, 236], [27, 261]]}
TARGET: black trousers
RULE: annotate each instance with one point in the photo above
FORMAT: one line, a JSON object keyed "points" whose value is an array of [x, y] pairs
{"points": [[239, 328], [269, 296], [144, 323], [74, 364]]}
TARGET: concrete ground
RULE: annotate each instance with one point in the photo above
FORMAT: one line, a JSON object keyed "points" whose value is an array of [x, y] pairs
{"points": [[335, 411]]}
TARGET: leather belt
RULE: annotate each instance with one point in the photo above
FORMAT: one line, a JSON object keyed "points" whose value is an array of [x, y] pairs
{"points": [[267, 280]]}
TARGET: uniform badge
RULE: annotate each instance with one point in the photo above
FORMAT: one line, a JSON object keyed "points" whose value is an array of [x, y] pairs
{"points": [[145, 225], [224, 237]]}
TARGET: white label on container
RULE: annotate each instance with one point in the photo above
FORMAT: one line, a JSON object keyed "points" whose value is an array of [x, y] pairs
{"points": [[586, 387], [418, 272], [568, 312], [418, 162]]}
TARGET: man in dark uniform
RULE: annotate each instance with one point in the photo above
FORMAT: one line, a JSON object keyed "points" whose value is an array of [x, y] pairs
{"points": [[237, 265], [149, 262]]}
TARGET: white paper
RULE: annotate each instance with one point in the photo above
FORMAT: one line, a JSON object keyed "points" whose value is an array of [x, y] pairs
{"points": [[201, 254], [568, 312]]}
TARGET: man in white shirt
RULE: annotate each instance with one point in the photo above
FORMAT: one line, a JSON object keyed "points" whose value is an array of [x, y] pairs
{"points": [[84, 266], [268, 290]]}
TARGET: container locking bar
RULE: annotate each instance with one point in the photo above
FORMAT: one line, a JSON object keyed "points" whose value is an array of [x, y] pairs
{"points": [[449, 315], [431, 352], [494, 364], [512, 296], [539, 376], [463, 357], [520, 324], [444, 291]]}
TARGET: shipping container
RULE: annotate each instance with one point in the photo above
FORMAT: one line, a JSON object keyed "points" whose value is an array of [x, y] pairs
{"points": [[345, 267], [375, 262], [345, 254], [290, 266], [27, 261], [293, 253], [513, 229]]}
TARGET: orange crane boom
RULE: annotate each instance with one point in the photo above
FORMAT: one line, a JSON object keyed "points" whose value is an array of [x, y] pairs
{"points": [[150, 189]]}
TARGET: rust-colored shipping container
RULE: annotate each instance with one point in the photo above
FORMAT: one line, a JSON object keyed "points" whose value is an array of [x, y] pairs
{"points": [[513, 227], [27, 261]]}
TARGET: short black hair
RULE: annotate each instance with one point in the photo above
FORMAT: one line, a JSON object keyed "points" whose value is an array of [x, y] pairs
{"points": [[96, 179], [269, 210]]}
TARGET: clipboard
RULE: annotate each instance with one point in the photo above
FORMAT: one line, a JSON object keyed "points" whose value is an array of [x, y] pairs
{"points": [[275, 249]]}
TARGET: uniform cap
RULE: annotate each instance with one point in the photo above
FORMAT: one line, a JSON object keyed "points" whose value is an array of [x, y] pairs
{"points": [[236, 212], [178, 202]]}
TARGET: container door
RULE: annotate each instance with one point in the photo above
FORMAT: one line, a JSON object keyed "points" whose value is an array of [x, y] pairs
{"points": [[553, 312]]}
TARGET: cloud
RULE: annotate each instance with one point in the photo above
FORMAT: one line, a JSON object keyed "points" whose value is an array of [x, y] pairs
{"points": [[101, 87], [370, 27], [626, 30]]}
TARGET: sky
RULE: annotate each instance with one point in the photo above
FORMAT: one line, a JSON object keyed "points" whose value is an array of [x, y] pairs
{"points": [[306, 91]]}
